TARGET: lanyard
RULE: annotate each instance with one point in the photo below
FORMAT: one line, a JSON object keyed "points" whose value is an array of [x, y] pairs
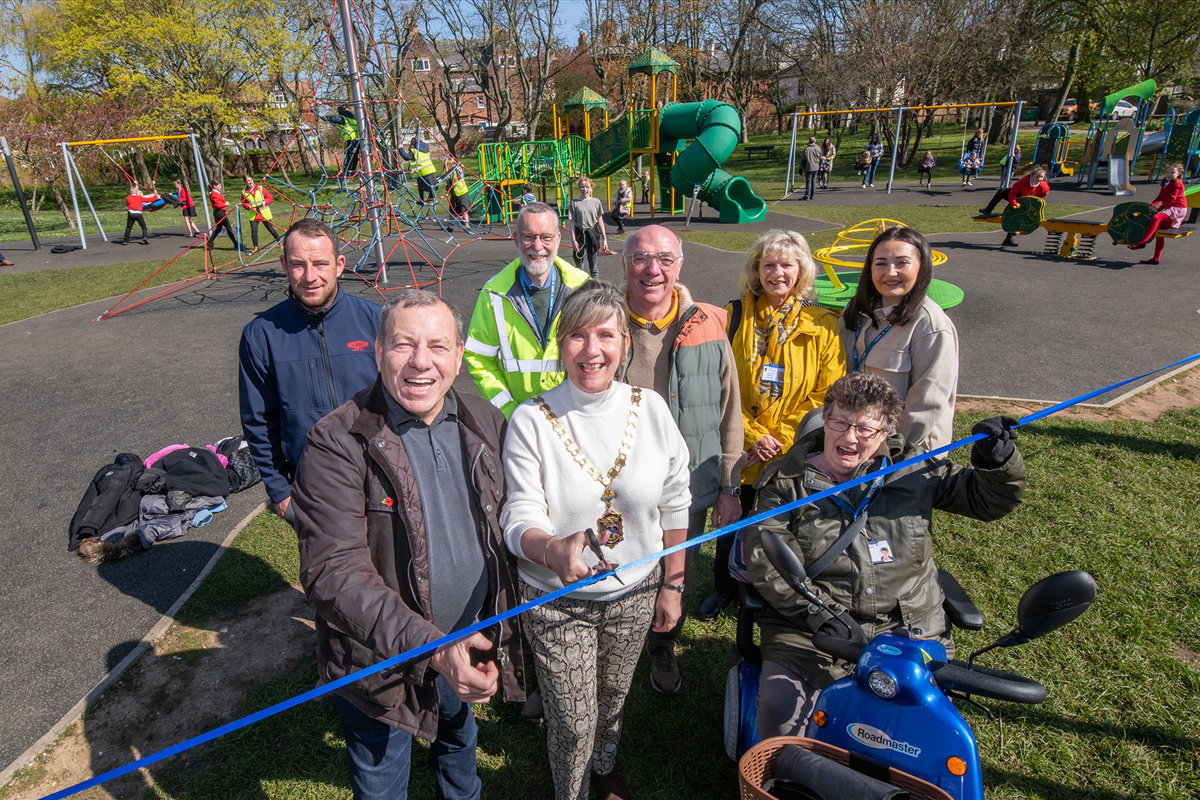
{"points": [[855, 513], [545, 329], [859, 359]]}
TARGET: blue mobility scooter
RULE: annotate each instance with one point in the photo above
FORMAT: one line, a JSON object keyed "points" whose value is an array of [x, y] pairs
{"points": [[896, 710]]}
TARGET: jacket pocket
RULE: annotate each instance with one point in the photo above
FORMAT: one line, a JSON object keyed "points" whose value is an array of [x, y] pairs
{"points": [[898, 361]]}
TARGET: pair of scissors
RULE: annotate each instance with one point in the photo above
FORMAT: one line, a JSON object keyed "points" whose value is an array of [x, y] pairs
{"points": [[605, 565]]}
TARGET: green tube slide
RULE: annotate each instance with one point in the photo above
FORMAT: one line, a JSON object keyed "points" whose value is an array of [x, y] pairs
{"points": [[714, 128]]}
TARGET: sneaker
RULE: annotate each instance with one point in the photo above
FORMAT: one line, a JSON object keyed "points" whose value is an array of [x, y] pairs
{"points": [[1008, 242], [713, 605], [1151, 261], [987, 212], [871, 185], [664, 669]]}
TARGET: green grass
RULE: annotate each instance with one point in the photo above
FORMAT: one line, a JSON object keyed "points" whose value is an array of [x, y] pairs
{"points": [[1112, 498], [27, 294]]}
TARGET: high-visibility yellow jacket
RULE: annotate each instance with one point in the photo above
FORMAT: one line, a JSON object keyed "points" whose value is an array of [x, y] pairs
{"points": [[459, 187], [508, 359], [424, 162]]}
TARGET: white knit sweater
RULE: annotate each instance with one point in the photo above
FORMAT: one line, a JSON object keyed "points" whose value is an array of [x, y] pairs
{"points": [[547, 489]]}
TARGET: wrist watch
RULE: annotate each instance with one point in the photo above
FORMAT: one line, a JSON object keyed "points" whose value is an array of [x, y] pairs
{"points": [[736, 491], [674, 587]]}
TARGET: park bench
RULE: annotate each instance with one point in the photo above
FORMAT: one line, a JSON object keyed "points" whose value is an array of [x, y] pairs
{"points": [[768, 149]]}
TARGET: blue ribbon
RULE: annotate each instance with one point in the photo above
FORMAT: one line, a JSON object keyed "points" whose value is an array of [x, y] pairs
{"points": [[437, 644]]}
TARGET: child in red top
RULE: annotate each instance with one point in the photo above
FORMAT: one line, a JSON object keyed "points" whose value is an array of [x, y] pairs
{"points": [[1032, 185], [221, 214], [134, 202], [1172, 209], [188, 206]]}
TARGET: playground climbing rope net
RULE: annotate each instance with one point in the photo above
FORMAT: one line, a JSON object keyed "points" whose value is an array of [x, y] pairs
{"points": [[375, 208]]}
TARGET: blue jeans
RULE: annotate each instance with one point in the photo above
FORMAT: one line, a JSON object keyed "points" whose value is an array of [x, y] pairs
{"points": [[379, 754], [869, 175]]}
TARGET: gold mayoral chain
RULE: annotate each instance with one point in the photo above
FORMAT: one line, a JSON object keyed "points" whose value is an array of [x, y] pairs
{"points": [[610, 521]]}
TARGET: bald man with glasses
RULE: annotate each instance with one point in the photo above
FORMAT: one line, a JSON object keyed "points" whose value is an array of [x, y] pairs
{"points": [[680, 350]]}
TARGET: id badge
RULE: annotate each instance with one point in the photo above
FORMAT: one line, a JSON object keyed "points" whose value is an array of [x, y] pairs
{"points": [[772, 373], [881, 551]]}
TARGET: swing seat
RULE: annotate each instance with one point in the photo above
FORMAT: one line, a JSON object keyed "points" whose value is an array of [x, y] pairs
{"points": [[962, 167]]}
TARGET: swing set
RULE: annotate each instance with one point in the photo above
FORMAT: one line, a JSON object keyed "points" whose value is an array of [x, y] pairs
{"points": [[860, 123], [73, 175]]}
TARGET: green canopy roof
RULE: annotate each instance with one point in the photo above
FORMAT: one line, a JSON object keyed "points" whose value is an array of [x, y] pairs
{"points": [[652, 62], [586, 99], [1142, 91]]}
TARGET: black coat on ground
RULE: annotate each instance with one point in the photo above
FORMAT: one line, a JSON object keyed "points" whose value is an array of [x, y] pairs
{"points": [[111, 499]]}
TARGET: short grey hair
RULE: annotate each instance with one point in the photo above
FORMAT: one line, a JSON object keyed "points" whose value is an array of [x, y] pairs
{"points": [[535, 208], [416, 298], [629, 240], [592, 303], [865, 393]]}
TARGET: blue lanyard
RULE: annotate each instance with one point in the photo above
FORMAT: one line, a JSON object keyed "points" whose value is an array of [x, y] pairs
{"points": [[545, 329], [858, 359], [855, 513]]}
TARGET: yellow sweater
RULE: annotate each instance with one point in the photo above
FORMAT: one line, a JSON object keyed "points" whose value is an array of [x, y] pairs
{"points": [[814, 357]]}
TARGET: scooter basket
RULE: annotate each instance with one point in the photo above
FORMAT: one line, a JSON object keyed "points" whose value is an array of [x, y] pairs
{"points": [[757, 766]]}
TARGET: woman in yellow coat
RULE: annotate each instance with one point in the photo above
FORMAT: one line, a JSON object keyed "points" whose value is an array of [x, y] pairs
{"points": [[788, 352]]}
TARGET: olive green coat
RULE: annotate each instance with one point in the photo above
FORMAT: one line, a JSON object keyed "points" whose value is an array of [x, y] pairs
{"points": [[880, 597]]}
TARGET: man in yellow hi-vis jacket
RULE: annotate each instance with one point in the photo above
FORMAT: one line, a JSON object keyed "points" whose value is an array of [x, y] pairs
{"points": [[511, 348]]}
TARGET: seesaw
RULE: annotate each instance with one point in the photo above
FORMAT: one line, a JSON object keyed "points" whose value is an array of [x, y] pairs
{"points": [[1073, 238]]}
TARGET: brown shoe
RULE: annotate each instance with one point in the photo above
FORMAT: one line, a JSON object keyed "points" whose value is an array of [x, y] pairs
{"points": [[6, 263], [610, 786], [664, 669]]}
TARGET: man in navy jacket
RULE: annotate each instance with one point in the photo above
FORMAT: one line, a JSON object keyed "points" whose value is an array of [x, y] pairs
{"points": [[304, 357]]}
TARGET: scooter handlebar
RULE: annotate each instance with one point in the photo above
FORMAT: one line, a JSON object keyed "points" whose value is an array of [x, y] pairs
{"points": [[843, 649], [994, 683]]}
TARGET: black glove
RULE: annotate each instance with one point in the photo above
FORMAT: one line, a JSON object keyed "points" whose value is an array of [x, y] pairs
{"points": [[844, 627], [995, 450]]}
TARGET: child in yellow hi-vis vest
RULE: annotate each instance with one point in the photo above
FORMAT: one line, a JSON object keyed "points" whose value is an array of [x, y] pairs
{"points": [[460, 199]]}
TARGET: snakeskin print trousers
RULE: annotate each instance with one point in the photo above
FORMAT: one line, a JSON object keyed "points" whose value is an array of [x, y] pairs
{"points": [[586, 652]]}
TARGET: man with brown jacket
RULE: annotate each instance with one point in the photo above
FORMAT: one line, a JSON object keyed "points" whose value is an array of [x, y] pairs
{"points": [[397, 504]]}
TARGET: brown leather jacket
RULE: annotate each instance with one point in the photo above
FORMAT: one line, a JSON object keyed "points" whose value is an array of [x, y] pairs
{"points": [[363, 556]]}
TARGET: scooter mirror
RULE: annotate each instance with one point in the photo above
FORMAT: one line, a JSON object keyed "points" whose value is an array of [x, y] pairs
{"points": [[1054, 601], [787, 563]]}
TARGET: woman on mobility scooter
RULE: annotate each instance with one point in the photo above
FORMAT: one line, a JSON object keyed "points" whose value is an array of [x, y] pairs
{"points": [[868, 550]]}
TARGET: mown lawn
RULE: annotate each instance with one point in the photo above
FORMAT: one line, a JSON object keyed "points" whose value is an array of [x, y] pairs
{"points": [[1115, 499]]}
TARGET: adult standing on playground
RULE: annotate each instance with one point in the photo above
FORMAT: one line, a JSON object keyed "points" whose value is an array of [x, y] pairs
{"points": [[220, 209], [788, 353], [885, 576], [679, 348], [1171, 205], [1032, 185], [187, 206], [257, 199], [586, 645], [588, 237], [828, 153], [622, 205], [893, 329], [812, 165], [347, 123], [875, 148], [512, 349], [418, 152], [302, 358], [397, 512]]}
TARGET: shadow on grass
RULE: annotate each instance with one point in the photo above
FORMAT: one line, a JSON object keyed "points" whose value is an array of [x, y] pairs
{"points": [[1079, 436]]}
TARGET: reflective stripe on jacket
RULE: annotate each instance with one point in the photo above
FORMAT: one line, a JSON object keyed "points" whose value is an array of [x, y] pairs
{"points": [[508, 359], [424, 162]]}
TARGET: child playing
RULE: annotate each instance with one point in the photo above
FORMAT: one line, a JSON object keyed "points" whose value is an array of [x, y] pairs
{"points": [[925, 169], [970, 167], [1170, 207], [622, 205], [221, 213], [135, 202], [188, 206]]}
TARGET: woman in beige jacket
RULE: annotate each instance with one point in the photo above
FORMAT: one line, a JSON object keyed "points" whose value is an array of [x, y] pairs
{"points": [[893, 329]]}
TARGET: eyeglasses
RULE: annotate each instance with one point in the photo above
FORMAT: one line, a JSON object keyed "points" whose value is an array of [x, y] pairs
{"points": [[643, 259], [841, 426], [544, 238]]}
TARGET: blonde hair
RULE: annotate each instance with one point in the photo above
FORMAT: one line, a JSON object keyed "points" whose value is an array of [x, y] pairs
{"points": [[784, 243], [588, 181], [592, 303]]}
